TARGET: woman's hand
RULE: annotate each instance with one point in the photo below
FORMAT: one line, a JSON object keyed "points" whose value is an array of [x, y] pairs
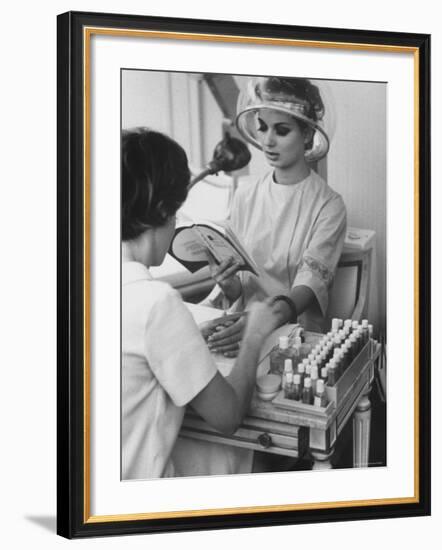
{"points": [[258, 323], [227, 336], [224, 274]]}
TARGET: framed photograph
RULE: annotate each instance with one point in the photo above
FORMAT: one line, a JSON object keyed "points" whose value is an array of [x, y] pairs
{"points": [[243, 274]]}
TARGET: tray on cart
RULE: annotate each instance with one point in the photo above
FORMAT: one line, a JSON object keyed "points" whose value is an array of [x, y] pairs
{"points": [[300, 407], [358, 372]]}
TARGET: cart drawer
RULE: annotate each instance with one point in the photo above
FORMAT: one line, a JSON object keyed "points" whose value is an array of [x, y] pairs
{"points": [[254, 433]]}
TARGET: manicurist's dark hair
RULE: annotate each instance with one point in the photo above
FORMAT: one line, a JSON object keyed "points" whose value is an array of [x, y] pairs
{"points": [[154, 180]]}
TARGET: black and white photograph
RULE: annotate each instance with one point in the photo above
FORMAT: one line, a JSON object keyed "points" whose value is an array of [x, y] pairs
{"points": [[253, 274]]}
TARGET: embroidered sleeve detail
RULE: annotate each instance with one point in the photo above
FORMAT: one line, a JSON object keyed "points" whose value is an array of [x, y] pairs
{"points": [[319, 269]]}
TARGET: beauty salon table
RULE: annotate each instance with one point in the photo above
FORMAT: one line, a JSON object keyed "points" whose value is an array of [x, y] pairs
{"points": [[297, 433]]}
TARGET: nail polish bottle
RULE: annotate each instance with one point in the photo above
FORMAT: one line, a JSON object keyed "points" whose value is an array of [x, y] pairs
{"points": [[314, 378], [307, 394], [320, 399], [288, 366], [365, 333], [301, 349], [331, 373], [297, 388], [287, 385], [301, 373], [279, 355], [335, 325]]}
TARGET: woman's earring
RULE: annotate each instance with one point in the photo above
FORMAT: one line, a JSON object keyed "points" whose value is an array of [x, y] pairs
{"points": [[308, 135]]}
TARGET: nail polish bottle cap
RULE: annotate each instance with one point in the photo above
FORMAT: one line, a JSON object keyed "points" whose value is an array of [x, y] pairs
{"points": [[297, 341], [288, 365], [283, 342]]}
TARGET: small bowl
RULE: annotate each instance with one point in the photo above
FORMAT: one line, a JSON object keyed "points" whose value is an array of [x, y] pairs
{"points": [[268, 384], [267, 396]]}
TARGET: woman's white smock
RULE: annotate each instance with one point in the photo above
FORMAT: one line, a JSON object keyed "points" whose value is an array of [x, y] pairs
{"points": [[295, 234]]}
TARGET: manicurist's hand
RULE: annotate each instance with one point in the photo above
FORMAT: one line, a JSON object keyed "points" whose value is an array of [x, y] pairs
{"points": [[261, 320], [224, 401], [224, 274], [213, 326]]}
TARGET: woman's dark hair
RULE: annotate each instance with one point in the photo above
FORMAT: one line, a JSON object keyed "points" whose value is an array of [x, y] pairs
{"points": [[154, 176], [295, 89]]}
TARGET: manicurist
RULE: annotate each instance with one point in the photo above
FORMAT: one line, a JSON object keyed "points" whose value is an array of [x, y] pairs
{"points": [[165, 362]]}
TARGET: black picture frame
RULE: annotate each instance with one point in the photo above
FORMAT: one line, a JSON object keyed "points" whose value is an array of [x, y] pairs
{"points": [[73, 516]]}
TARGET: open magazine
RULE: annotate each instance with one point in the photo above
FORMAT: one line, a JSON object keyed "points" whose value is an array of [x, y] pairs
{"points": [[193, 241]]}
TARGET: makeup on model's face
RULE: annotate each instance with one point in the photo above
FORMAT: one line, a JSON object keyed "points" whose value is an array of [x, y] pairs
{"points": [[281, 137]]}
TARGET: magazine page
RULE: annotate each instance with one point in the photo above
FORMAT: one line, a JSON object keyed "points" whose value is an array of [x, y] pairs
{"points": [[191, 244]]}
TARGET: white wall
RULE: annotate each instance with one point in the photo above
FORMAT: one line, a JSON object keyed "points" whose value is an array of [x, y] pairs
{"points": [[27, 218], [145, 91], [178, 104], [356, 168]]}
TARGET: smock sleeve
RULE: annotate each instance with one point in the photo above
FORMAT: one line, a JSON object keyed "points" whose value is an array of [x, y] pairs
{"points": [[176, 351], [320, 258]]}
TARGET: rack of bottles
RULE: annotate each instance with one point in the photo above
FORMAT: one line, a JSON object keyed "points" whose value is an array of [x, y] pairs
{"points": [[316, 378]]}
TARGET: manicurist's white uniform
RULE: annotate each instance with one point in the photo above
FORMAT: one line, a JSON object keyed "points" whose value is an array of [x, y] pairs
{"points": [[165, 364], [295, 234]]}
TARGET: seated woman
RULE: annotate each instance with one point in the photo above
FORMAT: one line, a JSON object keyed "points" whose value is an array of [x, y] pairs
{"points": [[166, 364], [291, 222]]}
